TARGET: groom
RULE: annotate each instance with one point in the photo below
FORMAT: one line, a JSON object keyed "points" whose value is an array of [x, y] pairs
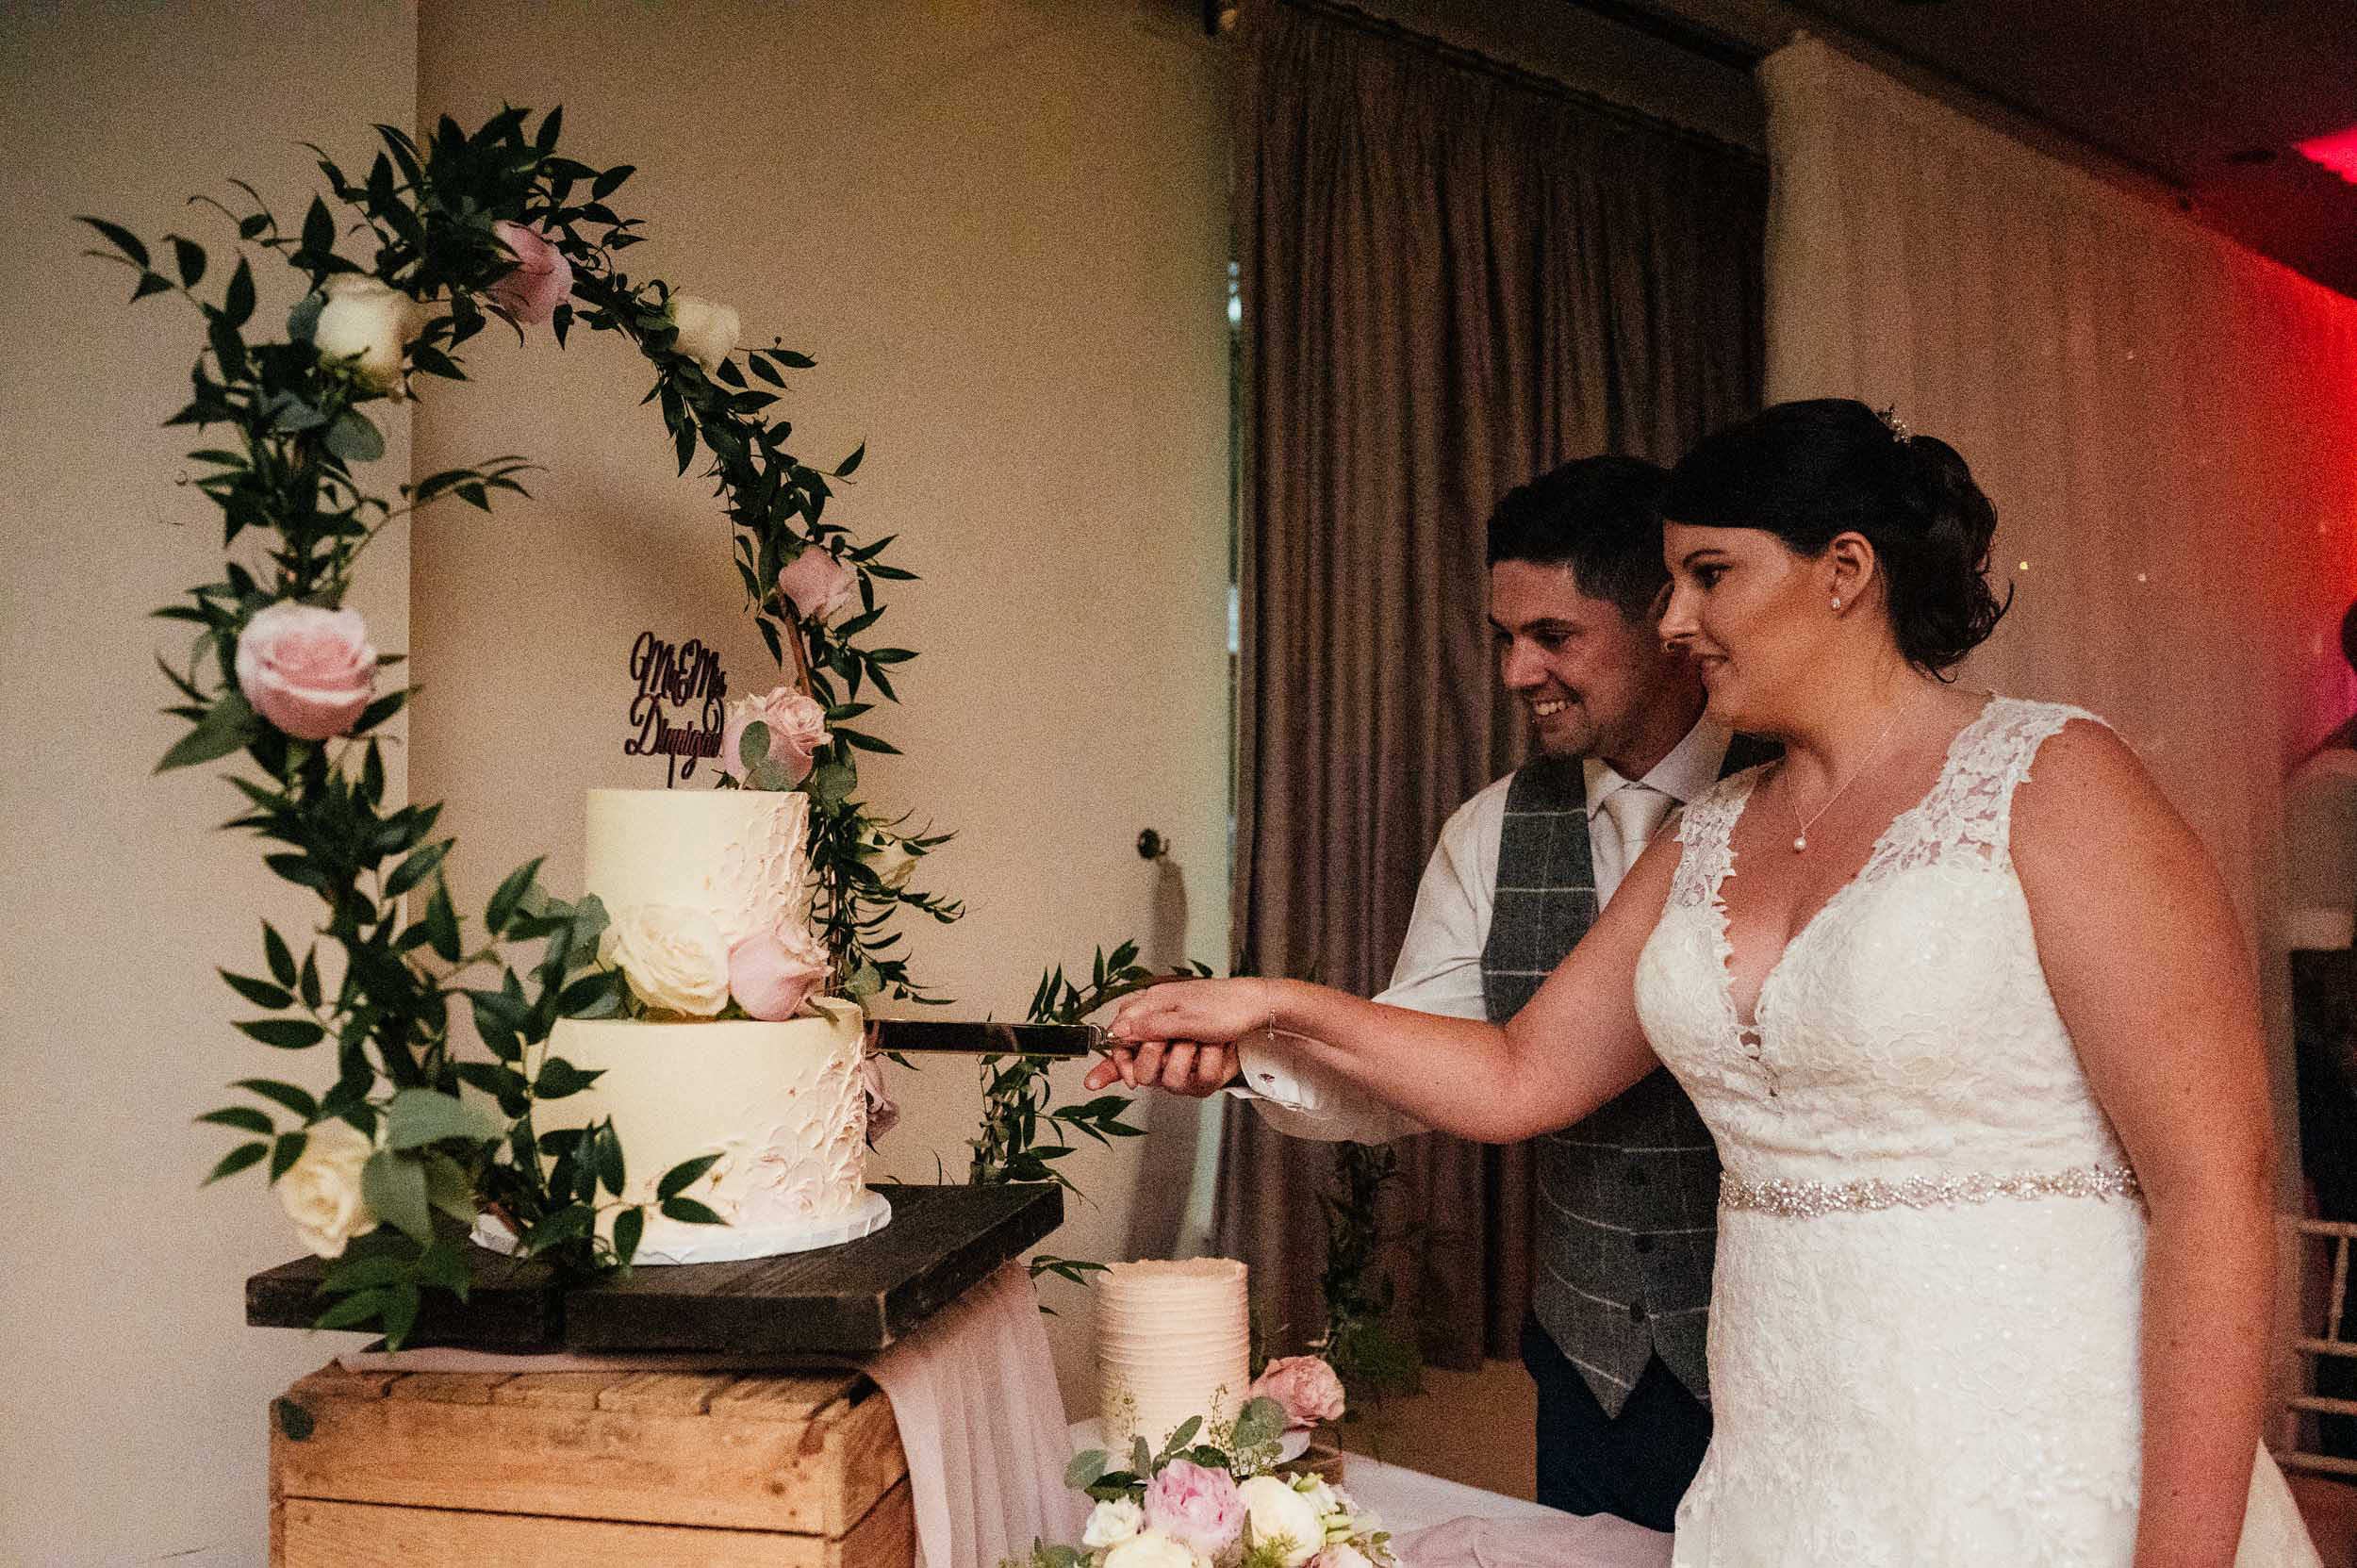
{"points": [[1628, 1199]]}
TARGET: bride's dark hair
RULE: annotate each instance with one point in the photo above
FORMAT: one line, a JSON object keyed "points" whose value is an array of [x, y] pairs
{"points": [[1810, 471]]}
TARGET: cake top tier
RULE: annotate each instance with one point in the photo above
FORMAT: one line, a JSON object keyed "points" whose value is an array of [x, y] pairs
{"points": [[734, 855], [1172, 1277]]}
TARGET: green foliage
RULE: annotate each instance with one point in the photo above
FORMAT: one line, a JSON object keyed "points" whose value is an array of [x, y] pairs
{"points": [[1373, 1359]]}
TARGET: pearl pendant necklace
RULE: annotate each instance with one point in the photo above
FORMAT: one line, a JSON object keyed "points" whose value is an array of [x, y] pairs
{"points": [[1800, 835]]}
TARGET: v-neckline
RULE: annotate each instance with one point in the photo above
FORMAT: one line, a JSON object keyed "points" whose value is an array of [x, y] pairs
{"points": [[1749, 1031]]}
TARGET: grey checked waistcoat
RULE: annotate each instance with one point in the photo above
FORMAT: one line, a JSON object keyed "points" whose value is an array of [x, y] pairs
{"points": [[1628, 1199]]}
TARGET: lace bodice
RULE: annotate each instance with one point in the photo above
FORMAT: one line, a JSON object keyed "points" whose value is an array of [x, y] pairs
{"points": [[1906, 1026], [1924, 1343]]}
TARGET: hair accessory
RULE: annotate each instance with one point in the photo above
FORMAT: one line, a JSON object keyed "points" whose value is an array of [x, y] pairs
{"points": [[1888, 414]]}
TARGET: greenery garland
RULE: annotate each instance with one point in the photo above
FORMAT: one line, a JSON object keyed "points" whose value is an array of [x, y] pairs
{"points": [[392, 1140]]}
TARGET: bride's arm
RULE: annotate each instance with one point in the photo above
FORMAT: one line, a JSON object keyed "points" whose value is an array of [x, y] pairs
{"points": [[1575, 1044], [2150, 970]]}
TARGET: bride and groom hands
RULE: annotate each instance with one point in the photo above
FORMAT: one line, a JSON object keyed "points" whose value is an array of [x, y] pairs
{"points": [[1181, 1036]]}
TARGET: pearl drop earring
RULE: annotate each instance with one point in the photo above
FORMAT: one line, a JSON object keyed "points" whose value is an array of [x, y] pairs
{"points": [[1836, 603]]}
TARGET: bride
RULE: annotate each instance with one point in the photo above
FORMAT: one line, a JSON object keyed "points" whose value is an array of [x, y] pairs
{"points": [[1967, 1013]]}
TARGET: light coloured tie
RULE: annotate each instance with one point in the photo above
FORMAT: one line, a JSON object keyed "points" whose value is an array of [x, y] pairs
{"points": [[1637, 811]]}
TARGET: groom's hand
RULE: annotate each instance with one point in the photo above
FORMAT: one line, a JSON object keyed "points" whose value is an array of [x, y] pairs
{"points": [[1196, 1071]]}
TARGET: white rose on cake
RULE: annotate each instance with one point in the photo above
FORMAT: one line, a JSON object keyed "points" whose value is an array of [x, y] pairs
{"points": [[321, 1190], [1112, 1522], [675, 959], [1274, 1512], [367, 323]]}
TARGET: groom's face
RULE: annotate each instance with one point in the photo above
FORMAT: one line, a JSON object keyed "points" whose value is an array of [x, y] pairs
{"points": [[1584, 673]]}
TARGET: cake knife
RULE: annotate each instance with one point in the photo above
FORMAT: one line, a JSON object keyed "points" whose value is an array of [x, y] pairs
{"points": [[988, 1038]]}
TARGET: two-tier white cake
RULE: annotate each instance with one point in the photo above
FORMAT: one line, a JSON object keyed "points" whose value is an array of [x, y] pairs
{"points": [[1174, 1341], [783, 1104]]}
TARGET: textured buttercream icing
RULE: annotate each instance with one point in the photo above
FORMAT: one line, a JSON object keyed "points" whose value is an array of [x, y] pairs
{"points": [[735, 855], [1174, 1340]]}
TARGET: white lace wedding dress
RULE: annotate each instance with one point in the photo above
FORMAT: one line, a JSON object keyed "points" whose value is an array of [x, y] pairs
{"points": [[1923, 1334]]}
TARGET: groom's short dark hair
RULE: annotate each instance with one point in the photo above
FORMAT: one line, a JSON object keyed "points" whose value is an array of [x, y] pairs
{"points": [[1596, 516]]}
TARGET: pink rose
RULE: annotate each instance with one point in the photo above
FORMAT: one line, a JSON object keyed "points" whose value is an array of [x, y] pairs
{"points": [[1196, 1506], [307, 670], [1305, 1385], [542, 280], [772, 975], [883, 1111], [818, 584], [797, 727]]}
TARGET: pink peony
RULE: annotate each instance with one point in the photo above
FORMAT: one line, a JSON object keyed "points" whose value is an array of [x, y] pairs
{"points": [[1196, 1507], [542, 280], [797, 727], [818, 584], [772, 975], [307, 670], [1305, 1385]]}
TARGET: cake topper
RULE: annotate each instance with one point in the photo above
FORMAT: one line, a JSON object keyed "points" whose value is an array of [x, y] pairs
{"points": [[676, 676]]}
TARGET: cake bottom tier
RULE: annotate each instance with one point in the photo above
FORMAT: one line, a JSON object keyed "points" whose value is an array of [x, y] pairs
{"points": [[782, 1104]]}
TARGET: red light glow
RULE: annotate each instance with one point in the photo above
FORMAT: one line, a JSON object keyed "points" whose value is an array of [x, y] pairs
{"points": [[2337, 152]]}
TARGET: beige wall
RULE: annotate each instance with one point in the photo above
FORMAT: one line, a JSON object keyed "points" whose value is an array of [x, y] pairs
{"points": [[1001, 229], [131, 1396]]}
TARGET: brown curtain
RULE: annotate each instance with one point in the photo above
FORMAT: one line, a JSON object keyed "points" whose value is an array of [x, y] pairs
{"points": [[1455, 277]]}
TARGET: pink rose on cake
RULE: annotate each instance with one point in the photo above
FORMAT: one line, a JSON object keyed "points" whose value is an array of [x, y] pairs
{"points": [[1196, 1507], [797, 725], [773, 973], [542, 280], [321, 1190], [309, 670], [1305, 1385], [817, 585], [673, 958]]}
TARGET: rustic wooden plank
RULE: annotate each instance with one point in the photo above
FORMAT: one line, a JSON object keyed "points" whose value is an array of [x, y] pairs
{"points": [[797, 1475], [852, 1300], [556, 1390], [865, 1444], [512, 1304], [665, 1392], [448, 1388], [325, 1534], [771, 1396], [333, 1383]]}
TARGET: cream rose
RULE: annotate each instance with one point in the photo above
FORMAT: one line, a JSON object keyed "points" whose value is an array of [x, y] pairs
{"points": [[1342, 1554], [309, 670], [1274, 1512], [707, 331], [675, 959], [1112, 1522], [367, 323], [1154, 1551], [888, 856], [321, 1190]]}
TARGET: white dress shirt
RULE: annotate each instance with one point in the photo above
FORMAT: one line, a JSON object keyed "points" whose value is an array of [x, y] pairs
{"points": [[1440, 961]]}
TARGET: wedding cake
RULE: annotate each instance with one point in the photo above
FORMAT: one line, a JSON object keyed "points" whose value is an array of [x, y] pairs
{"points": [[708, 896], [1174, 1340]]}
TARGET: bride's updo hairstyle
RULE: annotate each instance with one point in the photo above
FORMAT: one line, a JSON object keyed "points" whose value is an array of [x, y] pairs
{"points": [[1810, 471]]}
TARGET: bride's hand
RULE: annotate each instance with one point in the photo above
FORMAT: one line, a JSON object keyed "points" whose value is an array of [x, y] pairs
{"points": [[1182, 1015]]}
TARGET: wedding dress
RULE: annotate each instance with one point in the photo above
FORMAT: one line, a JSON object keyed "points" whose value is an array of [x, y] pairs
{"points": [[1925, 1327]]}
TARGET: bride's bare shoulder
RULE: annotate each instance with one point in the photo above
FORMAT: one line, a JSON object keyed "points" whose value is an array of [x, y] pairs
{"points": [[2087, 798]]}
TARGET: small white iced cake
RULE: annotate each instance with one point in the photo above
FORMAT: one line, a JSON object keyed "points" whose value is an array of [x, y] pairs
{"points": [[783, 1103], [1174, 1340]]}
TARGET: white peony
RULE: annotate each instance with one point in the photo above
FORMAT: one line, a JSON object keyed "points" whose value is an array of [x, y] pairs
{"points": [[1342, 1554], [1152, 1550], [1112, 1522], [707, 331], [322, 1191], [367, 323], [675, 959], [1272, 1512]]}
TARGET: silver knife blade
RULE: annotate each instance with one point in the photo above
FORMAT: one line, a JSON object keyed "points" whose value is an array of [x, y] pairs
{"points": [[988, 1038]]}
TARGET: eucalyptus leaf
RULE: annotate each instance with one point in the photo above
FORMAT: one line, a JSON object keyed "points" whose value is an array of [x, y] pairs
{"points": [[420, 1116], [352, 438], [395, 1188]]}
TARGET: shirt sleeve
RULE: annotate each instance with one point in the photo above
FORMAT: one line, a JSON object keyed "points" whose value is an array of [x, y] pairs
{"points": [[1439, 971]]}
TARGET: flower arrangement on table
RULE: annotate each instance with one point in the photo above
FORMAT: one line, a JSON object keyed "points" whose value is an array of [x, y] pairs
{"points": [[388, 1168], [1221, 1502]]}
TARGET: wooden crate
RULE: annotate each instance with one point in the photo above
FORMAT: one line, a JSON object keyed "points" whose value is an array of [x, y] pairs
{"points": [[587, 1470]]}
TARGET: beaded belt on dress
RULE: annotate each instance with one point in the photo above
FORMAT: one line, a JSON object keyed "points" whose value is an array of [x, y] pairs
{"points": [[1808, 1199]]}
